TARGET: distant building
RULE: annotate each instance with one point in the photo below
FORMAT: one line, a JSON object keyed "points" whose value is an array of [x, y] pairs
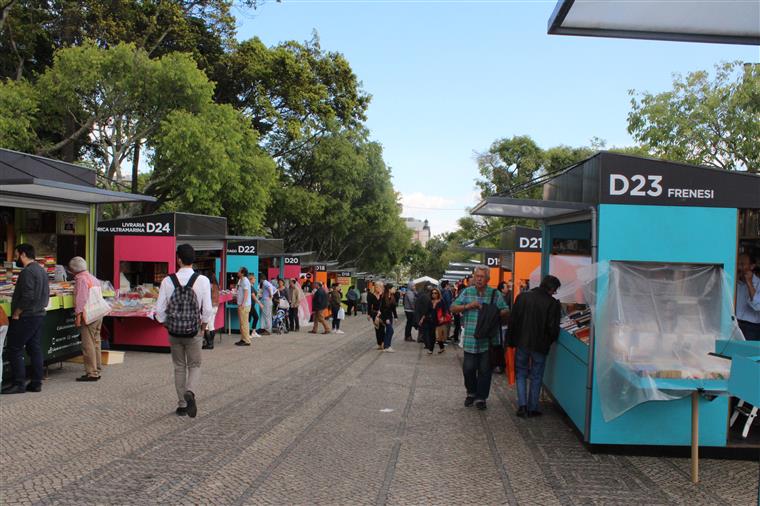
{"points": [[420, 230]]}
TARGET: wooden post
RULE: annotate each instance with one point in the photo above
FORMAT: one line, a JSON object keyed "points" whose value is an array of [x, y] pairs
{"points": [[695, 437]]}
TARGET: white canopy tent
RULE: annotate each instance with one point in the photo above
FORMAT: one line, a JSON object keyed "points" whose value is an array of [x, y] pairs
{"points": [[425, 279]]}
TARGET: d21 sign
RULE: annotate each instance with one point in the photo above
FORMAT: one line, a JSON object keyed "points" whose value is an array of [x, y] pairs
{"points": [[529, 243]]}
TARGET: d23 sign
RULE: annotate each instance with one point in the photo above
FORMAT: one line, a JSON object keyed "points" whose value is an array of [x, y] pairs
{"points": [[637, 186]]}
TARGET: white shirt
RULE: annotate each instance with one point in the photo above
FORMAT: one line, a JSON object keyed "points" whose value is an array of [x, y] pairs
{"points": [[243, 286], [202, 289], [746, 309]]}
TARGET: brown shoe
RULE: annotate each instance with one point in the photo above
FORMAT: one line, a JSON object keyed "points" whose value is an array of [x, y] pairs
{"points": [[312, 332]]}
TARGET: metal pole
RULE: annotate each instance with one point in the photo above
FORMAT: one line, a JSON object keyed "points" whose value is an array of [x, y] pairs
{"points": [[695, 437]]}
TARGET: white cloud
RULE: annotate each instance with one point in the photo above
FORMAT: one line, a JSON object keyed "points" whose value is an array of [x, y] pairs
{"points": [[419, 200], [441, 212]]}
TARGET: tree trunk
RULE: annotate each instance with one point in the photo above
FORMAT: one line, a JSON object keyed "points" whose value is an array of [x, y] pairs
{"points": [[135, 166]]}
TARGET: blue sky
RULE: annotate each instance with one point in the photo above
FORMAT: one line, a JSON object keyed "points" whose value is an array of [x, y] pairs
{"points": [[449, 77]]}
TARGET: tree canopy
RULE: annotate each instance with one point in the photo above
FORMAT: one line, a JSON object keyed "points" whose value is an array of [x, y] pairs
{"points": [[704, 120]]}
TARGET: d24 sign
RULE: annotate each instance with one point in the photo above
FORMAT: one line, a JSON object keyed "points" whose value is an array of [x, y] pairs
{"points": [[158, 227]]}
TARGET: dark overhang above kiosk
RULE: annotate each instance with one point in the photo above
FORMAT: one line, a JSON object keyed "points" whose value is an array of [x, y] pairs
{"points": [[57, 190], [713, 21], [527, 208]]}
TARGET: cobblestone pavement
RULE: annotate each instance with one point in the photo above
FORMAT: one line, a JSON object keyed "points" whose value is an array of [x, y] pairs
{"points": [[318, 419]]}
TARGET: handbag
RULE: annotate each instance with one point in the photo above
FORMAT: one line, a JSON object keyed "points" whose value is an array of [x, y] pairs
{"points": [[443, 317], [96, 306]]}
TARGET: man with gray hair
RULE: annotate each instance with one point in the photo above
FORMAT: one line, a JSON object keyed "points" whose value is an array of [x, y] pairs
{"points": [[90, 332], [479, 335]]}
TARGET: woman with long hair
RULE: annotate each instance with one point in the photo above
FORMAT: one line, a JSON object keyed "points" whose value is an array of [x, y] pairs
{"points": [[373, 313], [210, 333], [436, 322], [387, 310]]}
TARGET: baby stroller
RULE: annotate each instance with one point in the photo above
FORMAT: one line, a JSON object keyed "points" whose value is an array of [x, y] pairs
{"points": [[280, 318]]}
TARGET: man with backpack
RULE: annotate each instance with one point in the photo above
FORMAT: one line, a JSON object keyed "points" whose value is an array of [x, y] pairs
{"points": [[184, 308], [482, 309]]}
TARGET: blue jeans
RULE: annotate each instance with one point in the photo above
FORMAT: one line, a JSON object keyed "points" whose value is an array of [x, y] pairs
{"points": [[476, 369], [529, 364], [25, 333], [388, 334]]}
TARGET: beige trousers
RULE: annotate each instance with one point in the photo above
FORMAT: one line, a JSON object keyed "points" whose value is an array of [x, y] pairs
{"points": [[244, 313], [91, 347]]}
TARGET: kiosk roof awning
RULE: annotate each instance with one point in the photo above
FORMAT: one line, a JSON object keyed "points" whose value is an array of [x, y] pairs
{"points": [[716, 21], [475, 249], [527, 208], [57, 190]]}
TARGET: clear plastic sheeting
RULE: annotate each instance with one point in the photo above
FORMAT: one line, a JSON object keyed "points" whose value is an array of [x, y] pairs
{"points": [[655, 327]]}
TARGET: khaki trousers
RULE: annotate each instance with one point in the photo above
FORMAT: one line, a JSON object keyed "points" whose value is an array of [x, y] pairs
{"points": [[244, 313], [91, 347], [319, 318]]}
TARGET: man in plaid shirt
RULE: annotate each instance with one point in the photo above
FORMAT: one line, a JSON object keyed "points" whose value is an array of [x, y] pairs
{"points": [[476, 367]]}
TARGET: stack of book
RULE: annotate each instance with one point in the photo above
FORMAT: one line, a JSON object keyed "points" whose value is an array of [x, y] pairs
{"points": [[578, 323]]}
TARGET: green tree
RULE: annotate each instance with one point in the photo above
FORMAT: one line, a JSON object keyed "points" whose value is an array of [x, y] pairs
{"points": [[509, 163], [704, 120], [19, 110], [293, 93], [336, 199], [210, 163], [33, 30], [118, 97]]}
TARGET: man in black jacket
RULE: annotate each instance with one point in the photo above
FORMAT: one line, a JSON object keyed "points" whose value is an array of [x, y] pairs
{"points": [[533, 327], [422, 306], [28, 306]]}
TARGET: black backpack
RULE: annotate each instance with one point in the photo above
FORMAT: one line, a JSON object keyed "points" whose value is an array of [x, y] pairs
{"points": [[183, 315], [489, 323]]}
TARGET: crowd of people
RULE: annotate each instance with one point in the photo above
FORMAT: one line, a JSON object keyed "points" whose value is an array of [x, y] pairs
{"points": [[481, 319]]}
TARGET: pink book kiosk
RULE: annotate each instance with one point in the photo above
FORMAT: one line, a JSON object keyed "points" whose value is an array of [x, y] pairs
{"points": [[137, 253]]}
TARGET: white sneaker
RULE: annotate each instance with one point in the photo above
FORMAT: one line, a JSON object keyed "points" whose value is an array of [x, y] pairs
{"points": [[389, 350], [255, 334], [339, 332]]}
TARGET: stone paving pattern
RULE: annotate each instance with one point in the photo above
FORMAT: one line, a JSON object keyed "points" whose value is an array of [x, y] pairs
{"points": [[297, 419]]}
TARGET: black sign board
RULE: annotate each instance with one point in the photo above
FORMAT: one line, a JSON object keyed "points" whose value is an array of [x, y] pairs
{"points": [[629, 181], [528, 239], [493, 260], [344, 274], [320, 268], [157, 225], [248, 248], [291, 260]]}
